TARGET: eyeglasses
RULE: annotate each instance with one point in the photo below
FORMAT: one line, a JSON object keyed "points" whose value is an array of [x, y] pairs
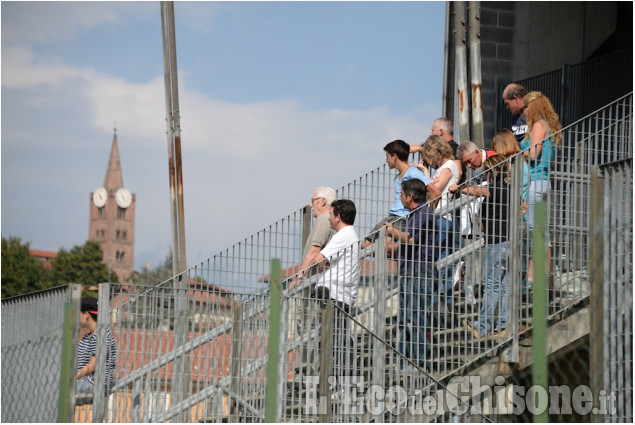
{"points": [[315, 199]]}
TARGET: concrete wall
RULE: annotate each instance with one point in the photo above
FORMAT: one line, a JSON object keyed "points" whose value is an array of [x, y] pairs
{"points": [[525, 39], [549, 34]]}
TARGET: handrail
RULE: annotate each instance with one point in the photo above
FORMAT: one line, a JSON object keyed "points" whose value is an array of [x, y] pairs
{"points": [[246, 261]]}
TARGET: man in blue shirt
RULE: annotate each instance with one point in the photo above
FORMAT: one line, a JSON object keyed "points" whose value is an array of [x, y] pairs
{"points": [[417, 289], [397, 153]]}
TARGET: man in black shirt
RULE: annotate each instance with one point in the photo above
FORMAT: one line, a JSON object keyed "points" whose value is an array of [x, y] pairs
{"points": [[513, 99]]}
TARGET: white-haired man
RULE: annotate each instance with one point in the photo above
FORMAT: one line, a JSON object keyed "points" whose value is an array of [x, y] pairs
{"points": [[321, 232]]}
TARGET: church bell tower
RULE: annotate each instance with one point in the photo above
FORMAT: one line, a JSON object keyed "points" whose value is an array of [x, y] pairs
{"points": [[112, 212]]}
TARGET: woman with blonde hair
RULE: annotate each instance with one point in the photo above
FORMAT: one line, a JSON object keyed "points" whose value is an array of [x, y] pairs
{"points": [[494, 213], [539, 148], [505, 144]]}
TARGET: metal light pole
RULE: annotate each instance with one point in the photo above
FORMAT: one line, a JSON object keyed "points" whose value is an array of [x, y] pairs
{"points": [[173, 121], [475, 72], [460, 72], [181, 371]]}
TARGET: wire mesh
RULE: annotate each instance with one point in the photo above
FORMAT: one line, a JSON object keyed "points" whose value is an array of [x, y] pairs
{"points": [[405, 338], [32, 344], [428, 337]]}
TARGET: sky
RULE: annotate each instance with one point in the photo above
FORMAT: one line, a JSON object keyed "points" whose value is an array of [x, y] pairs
{"points": [[276, 99]]}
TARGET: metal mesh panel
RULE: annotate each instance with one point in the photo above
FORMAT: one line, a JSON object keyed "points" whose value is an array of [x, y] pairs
{"points": [[612, 320], [32, 355], [578, 90], [403, 340]]}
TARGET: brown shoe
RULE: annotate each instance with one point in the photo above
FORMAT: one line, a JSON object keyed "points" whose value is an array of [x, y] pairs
{"points": [[470, 328], [500, 333]]}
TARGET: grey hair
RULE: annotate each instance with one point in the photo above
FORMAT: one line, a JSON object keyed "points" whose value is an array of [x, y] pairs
{"points": [[445, 124], [466, 147], [327, 193]]}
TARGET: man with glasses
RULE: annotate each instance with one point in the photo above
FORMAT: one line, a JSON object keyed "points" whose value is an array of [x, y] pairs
{"points": [[321, 232]]}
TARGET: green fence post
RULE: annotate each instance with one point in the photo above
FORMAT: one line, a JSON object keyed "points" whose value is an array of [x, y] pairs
{"points": [[540, 366], [271, 391], [63, 407]]}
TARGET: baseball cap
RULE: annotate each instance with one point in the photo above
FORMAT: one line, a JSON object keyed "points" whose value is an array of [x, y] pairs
{"points": [[89, 304]]}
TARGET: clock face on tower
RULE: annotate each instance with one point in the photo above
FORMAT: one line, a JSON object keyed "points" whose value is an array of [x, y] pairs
{"points": [[123, 197], [100, 196]]}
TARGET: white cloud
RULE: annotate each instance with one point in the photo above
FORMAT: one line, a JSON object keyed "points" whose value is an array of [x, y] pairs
{"points": [[20, 69], [35, 22], [199, 15], [245, 165]]}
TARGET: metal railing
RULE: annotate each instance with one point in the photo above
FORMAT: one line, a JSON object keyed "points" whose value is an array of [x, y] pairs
{"points": [[228, 311], [32, 352], [578, 90], [402, 352]]}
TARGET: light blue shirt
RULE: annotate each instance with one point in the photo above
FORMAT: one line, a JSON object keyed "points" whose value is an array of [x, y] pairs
{"points": [[539, 168], [411, 173]]}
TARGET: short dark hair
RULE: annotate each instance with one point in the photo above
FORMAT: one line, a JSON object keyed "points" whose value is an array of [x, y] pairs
{"points": [[345, 208], [398, 147], [416, 188]]}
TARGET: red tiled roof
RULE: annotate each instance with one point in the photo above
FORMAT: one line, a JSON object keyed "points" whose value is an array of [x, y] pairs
{"points": [[43, 254]]}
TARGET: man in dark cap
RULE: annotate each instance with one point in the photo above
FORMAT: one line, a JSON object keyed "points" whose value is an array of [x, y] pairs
{"points": [[88, 347]]}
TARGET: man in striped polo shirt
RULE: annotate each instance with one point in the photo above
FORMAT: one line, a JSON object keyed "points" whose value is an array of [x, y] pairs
{"points": [[88, 348]]}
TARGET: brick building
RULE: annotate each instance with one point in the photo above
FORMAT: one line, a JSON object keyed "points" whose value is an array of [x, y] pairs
{"points": [[112, 218]]}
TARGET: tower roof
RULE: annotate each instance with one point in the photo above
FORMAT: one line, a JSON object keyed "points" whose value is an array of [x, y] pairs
{"points": [[113, 180]]}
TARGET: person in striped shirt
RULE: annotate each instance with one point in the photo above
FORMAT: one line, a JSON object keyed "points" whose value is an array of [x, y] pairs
{"points": [[87, 350]]}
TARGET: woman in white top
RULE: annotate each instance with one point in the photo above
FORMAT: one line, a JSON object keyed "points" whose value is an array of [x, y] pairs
{"points": [[437, 153]]}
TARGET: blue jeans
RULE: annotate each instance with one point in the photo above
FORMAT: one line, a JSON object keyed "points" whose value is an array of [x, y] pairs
{"points": [[496, 289], [445, 239], [82, 386], [416, 296]]}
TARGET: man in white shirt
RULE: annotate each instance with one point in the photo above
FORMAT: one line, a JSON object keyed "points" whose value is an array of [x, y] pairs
{"points": [[339, 259], [339, 265]]}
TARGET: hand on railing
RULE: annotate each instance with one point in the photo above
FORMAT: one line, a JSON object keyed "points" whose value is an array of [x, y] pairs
{"points": [[295, 282]]}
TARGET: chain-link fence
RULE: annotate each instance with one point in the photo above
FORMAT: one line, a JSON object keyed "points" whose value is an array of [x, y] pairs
{"points": [[32, 354]]}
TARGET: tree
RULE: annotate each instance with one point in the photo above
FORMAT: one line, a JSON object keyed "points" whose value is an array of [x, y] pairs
{"points": [[155, 276], [82, 264], [21, 272]]}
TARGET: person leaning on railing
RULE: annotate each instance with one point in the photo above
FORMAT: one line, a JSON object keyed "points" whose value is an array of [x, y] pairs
{"points": [[495, 224], [417, 290], [338, 279], [321, 232], [320, 235], [539, 146], [87, 349], [504, 144], [397, 153], [436, 153]]}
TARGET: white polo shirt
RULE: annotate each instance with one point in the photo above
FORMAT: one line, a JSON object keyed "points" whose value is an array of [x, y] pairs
{"points": [[342, 276]]}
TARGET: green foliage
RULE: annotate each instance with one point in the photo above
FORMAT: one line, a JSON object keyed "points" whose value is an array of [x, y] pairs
{"points": [[21, 272], [82, 264], [155, 276]]}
